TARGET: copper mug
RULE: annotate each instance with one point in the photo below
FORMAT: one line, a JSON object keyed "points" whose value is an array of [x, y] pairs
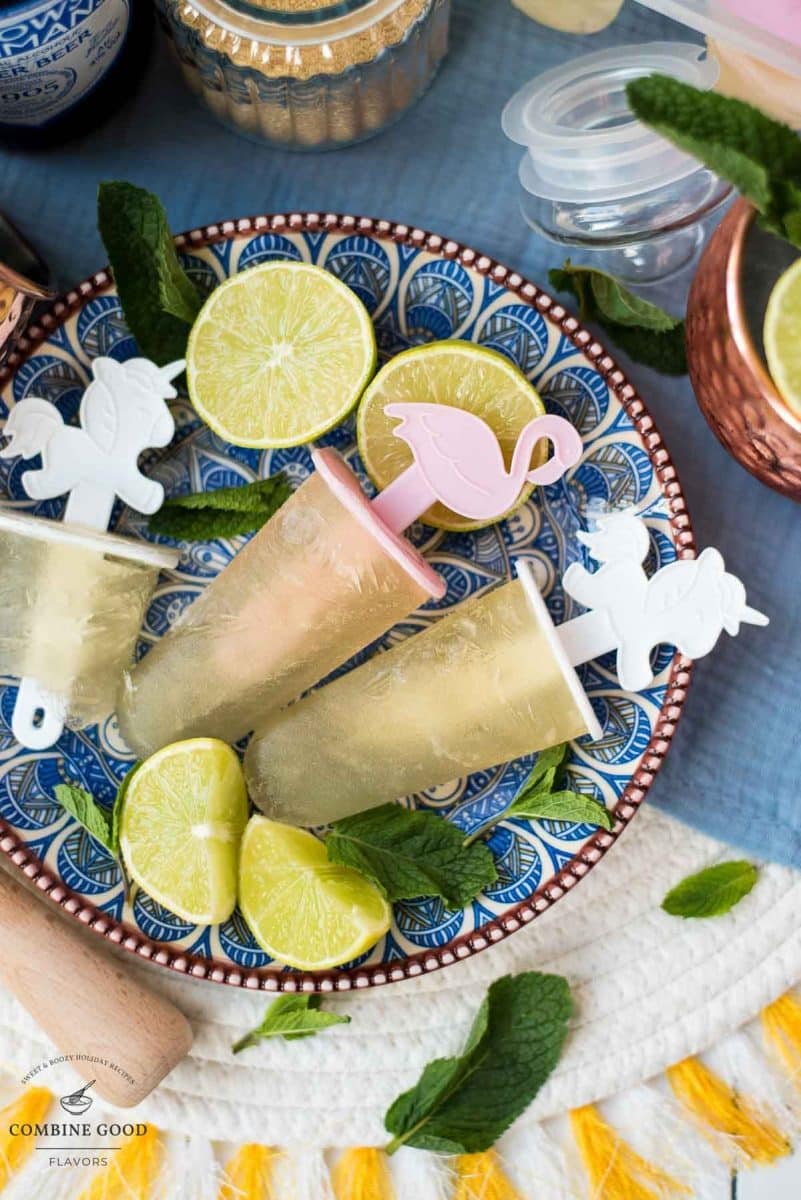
{"points": [[23, 283], [734, 390]]}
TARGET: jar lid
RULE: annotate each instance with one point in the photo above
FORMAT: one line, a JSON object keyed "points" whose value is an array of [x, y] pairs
{"points": [[583, 141], [770, 30]]}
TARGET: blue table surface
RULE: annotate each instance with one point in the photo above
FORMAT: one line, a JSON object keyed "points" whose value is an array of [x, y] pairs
{"points": [[735, 769]]}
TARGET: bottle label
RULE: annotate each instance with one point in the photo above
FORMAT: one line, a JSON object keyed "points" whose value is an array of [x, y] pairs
{"points": [[53, 53]]}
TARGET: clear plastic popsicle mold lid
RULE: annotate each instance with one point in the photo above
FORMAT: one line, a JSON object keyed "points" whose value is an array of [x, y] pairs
{"points": [[583, 141], [766, 29]]}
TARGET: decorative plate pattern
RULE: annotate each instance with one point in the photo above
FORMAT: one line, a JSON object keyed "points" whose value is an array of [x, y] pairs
{"points": [[418, 288]]}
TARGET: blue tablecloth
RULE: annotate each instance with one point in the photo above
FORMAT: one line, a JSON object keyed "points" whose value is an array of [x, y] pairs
{"points": [[735, 769]]}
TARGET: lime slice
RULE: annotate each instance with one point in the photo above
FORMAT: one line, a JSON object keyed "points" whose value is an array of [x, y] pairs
{"points": [[183, 815], [301, 908], [462, 375], [783, 336], [279, 354]]}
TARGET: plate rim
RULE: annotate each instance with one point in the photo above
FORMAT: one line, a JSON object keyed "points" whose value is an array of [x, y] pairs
{"points": [[276, 979]]}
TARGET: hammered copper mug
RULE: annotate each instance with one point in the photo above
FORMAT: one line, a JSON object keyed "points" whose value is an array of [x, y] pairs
{"points": [[731, 381], [23, 282]]}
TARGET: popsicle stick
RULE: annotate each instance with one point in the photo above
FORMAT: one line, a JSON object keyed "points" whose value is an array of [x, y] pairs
{"points": [[85, 1001], [38, 718]]}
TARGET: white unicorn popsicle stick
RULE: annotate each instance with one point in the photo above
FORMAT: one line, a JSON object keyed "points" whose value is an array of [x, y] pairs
{"points": [[327, 575], [73, 576], [493, 681]]}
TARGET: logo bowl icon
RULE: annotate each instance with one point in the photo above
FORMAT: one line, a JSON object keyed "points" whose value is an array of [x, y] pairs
{"points": [[78, 1102]]}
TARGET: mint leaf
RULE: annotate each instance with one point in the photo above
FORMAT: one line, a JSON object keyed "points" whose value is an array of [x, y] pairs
{"points": [[201, 516], [158, 299], [760, 156], [547, 768], [407, 853], [559, 806], [463, 1105], [713, 892], [646, 332], [81, 805], [291, 1017]]}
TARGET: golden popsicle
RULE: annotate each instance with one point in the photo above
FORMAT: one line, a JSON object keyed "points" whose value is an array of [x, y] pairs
{"points": [[493, 681], [327, 575]]}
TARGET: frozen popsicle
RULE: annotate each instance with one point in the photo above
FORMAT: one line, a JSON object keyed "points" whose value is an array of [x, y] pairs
{"points": [[491, 682], [73, 596], [328, 574]]}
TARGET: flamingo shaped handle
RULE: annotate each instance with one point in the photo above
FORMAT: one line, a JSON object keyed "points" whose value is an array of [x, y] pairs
{"points": [[459, 462]]}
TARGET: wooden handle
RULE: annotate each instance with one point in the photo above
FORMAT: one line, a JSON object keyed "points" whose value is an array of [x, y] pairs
{"points": [[85, 1001]]}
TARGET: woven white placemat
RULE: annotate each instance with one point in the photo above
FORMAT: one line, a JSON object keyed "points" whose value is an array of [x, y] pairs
{"points": [[649, 990]]}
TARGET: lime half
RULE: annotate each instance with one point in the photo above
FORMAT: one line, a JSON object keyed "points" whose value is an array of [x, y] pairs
{"points": [[182, 820], [459, 374], [302, 909], [783, 336], [279, 354]]}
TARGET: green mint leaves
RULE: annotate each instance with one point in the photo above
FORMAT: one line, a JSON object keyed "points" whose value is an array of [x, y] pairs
{"points": [[222, 513], [713, 892], [85, 809], [644, 331], [408, 854], [158, 299], [540, 798], [291, 1017], [463, 1105], [760, 156]]}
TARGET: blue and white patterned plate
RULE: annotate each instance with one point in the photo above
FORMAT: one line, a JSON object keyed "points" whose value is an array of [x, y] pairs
{"points": [[418, 288]]}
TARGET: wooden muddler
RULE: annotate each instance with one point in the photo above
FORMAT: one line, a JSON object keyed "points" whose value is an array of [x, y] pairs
{"points": [[85, 1001]]}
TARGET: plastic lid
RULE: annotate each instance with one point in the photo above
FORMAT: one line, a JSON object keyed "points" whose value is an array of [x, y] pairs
{"points": [[769, 30], [582, 139]]}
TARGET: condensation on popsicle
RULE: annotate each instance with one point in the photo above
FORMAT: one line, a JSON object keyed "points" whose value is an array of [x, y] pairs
{"points": [[491, 682], [327, 575]]}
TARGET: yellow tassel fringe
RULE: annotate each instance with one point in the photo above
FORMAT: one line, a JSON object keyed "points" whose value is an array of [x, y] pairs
{"points": [[30, 1106], [362, 1174], [131, 1170], [615, 1171], [481, 1177], [750, 1137], [248, 1175], [781, 1025]]}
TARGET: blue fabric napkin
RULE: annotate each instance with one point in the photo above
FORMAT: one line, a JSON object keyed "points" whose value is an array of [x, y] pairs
{"points": [[735, 768]]}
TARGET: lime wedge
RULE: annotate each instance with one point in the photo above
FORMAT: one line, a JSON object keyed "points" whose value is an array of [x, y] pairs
{"points": [[301, 908], [461, 375], [783, 336], [182, 819], [279, 354]]}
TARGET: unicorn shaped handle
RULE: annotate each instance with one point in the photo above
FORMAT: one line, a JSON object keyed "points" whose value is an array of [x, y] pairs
{"points": [[123, 412], [686, 604], [458, 461]]}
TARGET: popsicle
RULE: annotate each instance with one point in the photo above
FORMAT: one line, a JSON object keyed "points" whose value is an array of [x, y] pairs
{"points": [[327, 575], [72, 595], [491, 682]]}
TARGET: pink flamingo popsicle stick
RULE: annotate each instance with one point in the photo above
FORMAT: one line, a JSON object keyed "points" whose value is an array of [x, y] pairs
{"points": [[458, 461]]}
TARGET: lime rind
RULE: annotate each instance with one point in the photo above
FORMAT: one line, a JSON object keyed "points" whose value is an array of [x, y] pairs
{"points": [[287, 348], [782, 336]]}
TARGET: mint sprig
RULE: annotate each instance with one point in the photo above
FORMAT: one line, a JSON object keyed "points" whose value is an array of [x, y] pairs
{"points": [[408, 853], [462, 1105], [712, 892], [643, 330], [158, 298], [542, 799], [759, 155], [291, 1017], [223, 513], [81, 805]]}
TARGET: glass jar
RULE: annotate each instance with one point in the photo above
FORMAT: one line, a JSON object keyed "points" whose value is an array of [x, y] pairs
{"points": [[308, 74], [597, 178]]}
